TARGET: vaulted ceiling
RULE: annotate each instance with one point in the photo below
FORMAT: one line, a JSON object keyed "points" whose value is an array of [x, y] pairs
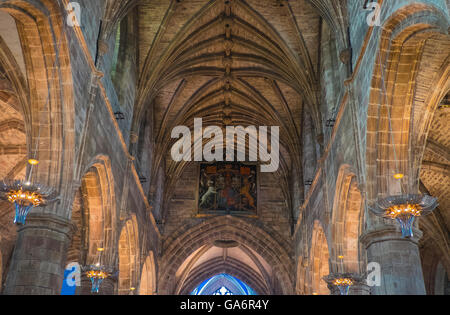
{"points": [[230, 62], [232, 258], [434, 179]]}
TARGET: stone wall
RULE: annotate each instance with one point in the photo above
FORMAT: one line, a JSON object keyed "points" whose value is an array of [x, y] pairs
{"points": [[91, 136], [273, 209]]}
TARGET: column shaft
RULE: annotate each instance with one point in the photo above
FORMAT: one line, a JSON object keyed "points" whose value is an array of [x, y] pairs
{"points": [[399, 259], [37, 265]]}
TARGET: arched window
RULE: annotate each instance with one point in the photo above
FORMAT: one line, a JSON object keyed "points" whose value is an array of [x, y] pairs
{"points": [[223, 291], [223, 284]]}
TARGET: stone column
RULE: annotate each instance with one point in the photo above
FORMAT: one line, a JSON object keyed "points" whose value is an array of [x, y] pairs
{"points": [[37, 264], [399, 259]]}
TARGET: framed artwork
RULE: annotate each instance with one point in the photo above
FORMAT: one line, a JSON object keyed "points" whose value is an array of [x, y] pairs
{"points": [[230, 188]]}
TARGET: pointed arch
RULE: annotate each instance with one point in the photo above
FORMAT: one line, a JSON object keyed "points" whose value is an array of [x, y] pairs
{"points": [[148, 276], [347, 219], [414, 90], [94, 213], [128, 257], [187, 241], [320, 257], [49, 108]]}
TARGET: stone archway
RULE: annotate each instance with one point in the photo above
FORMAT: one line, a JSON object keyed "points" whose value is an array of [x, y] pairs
{"points": [[186, 242], [148, 276], [48, 104], [93, 215], [320, 257], [410, 78], [14, 134], [230, 266], [413, 88], [347, 219], [128, 257], [46, 99]]}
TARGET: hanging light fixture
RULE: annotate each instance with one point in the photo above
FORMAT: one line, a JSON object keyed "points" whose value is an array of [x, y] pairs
{"points": [[98, 272], [25, 196], [405, 209], [342, 281]]}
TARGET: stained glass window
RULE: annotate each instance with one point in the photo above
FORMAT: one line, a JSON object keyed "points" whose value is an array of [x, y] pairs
{"points": [[223, 284], [223, 291]]}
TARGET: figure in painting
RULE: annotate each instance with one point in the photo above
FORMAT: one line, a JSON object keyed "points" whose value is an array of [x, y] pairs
{"points": [[208, 198], [229, 197], [229, 187], [248, 201]]}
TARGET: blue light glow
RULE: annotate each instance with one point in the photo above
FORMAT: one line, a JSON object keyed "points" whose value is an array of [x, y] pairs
{"points": [[223, 284]]}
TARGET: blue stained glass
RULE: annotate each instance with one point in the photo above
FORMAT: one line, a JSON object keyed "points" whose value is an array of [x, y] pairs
{"points": [[223, 284]]}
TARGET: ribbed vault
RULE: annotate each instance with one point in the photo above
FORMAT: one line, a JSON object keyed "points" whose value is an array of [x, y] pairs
{"points": [[231, 63], [194, 254]]}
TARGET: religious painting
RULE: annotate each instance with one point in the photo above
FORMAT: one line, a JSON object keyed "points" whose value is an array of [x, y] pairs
{"points": [[228, 187]]}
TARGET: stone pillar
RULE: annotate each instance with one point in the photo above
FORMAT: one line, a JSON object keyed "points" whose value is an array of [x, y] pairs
{"points": [[399, 259], [37, 264]]}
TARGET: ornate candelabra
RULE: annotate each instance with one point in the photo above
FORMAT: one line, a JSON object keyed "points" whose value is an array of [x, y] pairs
{"points": [[98, 272], [343, 281], [25, 196], [405, 209]]}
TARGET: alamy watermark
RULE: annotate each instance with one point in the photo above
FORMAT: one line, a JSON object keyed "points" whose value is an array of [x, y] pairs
{"points": [[213, 149], [73, 277], [73, 14], [373, 274], [374, 17]]}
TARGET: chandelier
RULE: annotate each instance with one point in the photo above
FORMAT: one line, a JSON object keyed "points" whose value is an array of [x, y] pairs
{"points": [[25, 196], [342, 281], [405, 209], [97, 273]]}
